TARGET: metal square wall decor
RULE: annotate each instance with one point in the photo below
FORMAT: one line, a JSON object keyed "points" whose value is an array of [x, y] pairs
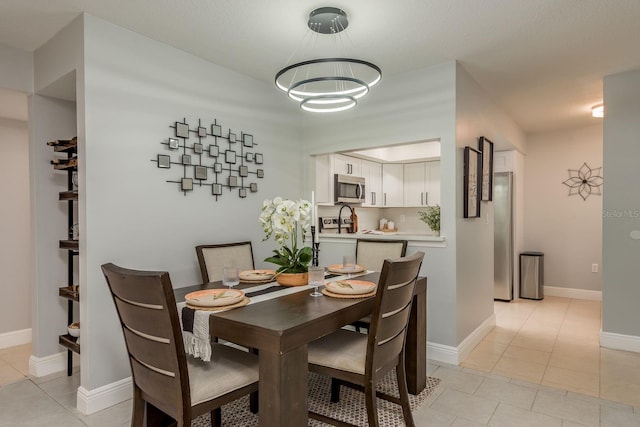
{"points": [[211, 160]]}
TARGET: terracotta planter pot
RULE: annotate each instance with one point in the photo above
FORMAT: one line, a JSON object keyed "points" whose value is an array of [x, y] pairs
{"points": [[292, 279]]}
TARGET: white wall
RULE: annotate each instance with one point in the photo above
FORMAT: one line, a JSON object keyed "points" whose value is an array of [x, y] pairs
{"points": [[476, 115], [621, 252], [566, 228], [15, 283], [413, 106], [135, 88]]}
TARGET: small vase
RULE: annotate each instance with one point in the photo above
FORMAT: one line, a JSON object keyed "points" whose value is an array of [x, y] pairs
{"points": [[436, 233], [292, 279]]}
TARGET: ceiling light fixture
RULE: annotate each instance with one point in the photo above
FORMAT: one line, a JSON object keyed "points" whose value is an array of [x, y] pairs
{"points": [[597, 110], [327, 85]]}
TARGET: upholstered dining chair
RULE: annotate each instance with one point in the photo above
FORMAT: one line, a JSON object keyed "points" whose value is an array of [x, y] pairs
{"points": [[213, 259], [371, 253], [354, 359], [164, 379]]}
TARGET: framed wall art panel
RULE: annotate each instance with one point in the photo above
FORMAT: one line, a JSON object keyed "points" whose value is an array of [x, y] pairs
{"points": [[472, 177], [486, 148]]}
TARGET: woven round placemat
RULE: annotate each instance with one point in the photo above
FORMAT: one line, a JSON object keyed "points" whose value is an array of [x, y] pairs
{"points": [[351, 296], [241, 303]]}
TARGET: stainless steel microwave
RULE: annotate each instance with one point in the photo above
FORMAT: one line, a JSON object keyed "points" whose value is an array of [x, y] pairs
{"points": [[348, 189]]}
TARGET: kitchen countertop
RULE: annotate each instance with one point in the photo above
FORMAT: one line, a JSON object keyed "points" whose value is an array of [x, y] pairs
{"points": [[394, 235]]}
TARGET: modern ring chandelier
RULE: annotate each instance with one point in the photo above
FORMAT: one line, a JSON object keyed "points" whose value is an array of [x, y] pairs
{"points": [[327, 85]]}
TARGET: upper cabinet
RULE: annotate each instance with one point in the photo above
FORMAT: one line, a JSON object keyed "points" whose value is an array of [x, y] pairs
{"points": [[327, 165], [422, 184], [386, 185], [372, 173], [392, 185], [345, 165], [324, 180]]}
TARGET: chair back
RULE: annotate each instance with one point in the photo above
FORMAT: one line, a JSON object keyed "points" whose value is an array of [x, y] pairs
{"points": [[371, 253], [390, 316], [213, 259], [148, 315]]}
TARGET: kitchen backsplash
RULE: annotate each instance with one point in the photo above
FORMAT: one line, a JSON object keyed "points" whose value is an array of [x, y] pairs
{"points": [[406, 219]]}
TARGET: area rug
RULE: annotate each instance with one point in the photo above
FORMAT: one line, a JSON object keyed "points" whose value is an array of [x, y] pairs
{"points": [[351, 407]]}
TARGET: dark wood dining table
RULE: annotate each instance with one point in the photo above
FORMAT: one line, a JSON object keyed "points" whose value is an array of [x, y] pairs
{"points": [[280, 328]]}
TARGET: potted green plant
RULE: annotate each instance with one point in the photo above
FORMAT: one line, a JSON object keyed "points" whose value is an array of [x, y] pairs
{"points": [[286, 220], [431, 216]]}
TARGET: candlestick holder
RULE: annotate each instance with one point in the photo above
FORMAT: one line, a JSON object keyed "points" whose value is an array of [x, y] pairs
{"points": [[315, 247]]}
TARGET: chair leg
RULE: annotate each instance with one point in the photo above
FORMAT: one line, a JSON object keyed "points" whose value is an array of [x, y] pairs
{"points": [[401, 375], [155, 417], [335, 390], [137, 414], [216, 417], [372, 409]]}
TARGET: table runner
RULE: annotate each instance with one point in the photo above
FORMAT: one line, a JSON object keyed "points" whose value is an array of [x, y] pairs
{"points": [[195, 323]]}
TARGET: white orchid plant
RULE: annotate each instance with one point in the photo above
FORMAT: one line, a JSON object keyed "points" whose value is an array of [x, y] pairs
{"points": [[284, 219]]}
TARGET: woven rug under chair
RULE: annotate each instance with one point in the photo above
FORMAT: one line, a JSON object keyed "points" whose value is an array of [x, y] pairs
{"points": [[351, 407]]}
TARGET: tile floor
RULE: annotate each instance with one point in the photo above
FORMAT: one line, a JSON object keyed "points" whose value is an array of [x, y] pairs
{"points": [[540, 366], [555, 343]]}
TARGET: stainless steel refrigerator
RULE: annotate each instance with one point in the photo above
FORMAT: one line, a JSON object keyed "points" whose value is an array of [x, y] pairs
{"points": [[503, 236]]}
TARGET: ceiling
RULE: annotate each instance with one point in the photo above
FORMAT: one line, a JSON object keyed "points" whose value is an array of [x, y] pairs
{"points": [[543, 61]]}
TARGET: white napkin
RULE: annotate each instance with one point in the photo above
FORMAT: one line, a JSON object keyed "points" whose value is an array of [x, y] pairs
{"points": [[198, 343]]}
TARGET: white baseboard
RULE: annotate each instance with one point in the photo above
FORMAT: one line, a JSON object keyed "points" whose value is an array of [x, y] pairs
{"points": [[455, 355], [553, 291], [474, 338], [14, 338], [42, 366], [620, 342], [442, 353], [92, 401]]}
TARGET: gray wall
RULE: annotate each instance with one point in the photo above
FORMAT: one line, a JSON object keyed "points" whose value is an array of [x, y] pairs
{"points": [[15, 283], [51, 119], [566, 228], [16, 75], [16, 69], [414, 106], [476, 115], [620, 252], [134, 89]]}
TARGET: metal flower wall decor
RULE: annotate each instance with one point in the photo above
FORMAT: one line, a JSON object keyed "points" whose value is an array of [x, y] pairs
{"points": [[584, 181]]}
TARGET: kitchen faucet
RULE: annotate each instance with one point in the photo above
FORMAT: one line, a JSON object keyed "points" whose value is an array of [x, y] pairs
{"points": [[340, 217]]}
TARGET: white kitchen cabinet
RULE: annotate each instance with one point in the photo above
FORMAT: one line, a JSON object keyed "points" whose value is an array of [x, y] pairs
{"points": [[345, 165], [327, 165], [422, 184], [392, 185], [386, 185], [372, 173], [433, 183], [324, 180]]}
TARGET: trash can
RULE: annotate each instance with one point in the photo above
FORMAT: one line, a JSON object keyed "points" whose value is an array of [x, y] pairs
{"points": [[532, 275]]}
